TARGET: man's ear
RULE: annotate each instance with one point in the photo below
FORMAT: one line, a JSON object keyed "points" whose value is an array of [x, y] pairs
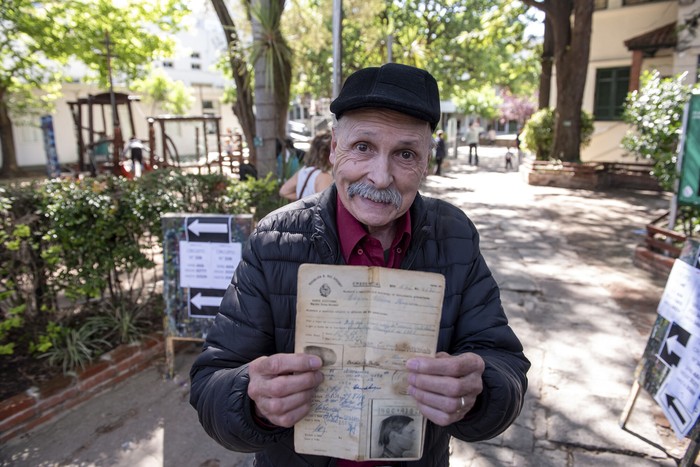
{"points": [[334, 143]]}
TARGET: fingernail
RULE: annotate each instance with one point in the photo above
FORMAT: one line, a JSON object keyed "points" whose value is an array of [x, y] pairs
{"points": [[412, 364], [412, 379], [315, 363]]}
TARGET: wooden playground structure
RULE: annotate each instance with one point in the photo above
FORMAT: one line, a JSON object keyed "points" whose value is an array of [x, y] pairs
{"points": [[100, 139]]}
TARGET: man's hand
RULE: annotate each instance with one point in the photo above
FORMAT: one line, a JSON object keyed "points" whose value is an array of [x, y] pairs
{"points": [[282, 385], [445, 387]]}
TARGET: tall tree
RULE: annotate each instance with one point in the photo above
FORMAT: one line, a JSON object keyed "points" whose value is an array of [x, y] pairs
{"points": [[268, 93], [464, 44], [38, 36], [272, 61], [547, 58], [27, 72], [243, 100], [568, 19]]}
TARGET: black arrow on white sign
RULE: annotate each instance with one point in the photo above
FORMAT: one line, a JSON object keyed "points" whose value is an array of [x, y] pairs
{"points": [[671, 402]]}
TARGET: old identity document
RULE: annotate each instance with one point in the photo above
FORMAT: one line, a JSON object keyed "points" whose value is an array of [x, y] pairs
{"points": [[365, 323]]}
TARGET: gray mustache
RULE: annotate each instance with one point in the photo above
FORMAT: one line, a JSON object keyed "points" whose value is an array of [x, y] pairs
{"points": [[365, 190]]}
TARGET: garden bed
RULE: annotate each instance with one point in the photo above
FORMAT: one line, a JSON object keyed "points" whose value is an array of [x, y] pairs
{"points": [[54, 395], [589, 175]]}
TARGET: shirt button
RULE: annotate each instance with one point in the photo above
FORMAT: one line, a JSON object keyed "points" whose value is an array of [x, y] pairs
{"points": [[360, 251]]}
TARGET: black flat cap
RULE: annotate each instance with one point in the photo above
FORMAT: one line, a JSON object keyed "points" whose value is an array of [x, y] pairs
{"points": [[402, 88]]}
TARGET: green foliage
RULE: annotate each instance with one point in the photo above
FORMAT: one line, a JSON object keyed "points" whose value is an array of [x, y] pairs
{"points": [[45, 339], [465, 45], [12, 320], [538, 132], [74, 348], [92, 243], [483, 101], [174, 97], [259, 196], [94, 229], [122, 323], [655, 112]]}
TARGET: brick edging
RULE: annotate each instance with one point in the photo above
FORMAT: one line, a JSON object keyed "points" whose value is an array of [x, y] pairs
{"points": [[36, 406], [655, 263]]}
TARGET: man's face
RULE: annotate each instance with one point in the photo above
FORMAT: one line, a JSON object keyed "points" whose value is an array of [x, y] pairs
{"points": [[379, 160], [404, 438]]}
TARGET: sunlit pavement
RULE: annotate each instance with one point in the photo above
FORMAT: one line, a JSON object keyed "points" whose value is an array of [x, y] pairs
{"points": [[563, 259]]}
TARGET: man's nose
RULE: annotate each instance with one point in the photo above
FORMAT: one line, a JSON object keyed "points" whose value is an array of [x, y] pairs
{"points": [[380, 171]]}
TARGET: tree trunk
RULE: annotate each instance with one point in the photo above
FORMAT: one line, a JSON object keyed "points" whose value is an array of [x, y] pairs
{"points": [[546, 63], [243, 107], [569, 19], [265, 110], [571, 61], [7, 141], [271, 100]]}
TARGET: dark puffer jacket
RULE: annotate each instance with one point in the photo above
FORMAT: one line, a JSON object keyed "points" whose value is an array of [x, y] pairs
{"points": [[257, 318]]}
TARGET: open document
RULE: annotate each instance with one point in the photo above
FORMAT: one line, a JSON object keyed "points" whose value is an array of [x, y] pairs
{"points": [[365, 323]]}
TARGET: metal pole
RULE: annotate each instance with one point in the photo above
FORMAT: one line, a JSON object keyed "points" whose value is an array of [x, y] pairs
{"points": [[117, 140], [389, 46], [112, 100], [337, 45], [673, 209]]}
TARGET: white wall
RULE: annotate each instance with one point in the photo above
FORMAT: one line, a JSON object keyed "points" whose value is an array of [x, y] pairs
{"points": [[611, 28]]}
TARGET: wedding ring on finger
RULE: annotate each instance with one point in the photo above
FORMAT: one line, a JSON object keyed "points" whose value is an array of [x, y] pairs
{"points": [[462, 404]]}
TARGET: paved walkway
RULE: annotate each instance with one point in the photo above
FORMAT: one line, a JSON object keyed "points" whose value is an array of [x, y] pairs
{"points": [[563, 259]]}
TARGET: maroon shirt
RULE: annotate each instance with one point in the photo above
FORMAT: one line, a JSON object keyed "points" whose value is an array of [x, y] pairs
{"points": [[361, 249]]}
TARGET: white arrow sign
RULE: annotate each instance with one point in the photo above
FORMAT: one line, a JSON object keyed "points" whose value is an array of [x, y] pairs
{"points": [[198, 228], [200, 301], [674, 346]]}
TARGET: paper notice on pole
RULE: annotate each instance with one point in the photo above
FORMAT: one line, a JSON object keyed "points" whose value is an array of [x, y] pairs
{"points": [[365, 323]]}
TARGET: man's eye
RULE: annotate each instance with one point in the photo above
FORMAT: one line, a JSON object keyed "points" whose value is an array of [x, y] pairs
{"points": [[362, 147], [406, 155]]}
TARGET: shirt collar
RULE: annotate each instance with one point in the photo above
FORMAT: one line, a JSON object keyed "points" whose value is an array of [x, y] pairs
{"points": [[351, 231]]}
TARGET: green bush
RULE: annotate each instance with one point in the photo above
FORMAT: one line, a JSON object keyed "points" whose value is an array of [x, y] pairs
{"points": [[91, 245], [75, 347], [655, 113], [538, 132]]}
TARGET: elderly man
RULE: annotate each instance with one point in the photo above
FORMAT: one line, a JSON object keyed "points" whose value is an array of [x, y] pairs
{"points": [[250, 389]]}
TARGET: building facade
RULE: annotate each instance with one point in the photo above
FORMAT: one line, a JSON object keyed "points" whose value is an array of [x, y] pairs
{"points": [[199, 49], [629, 37]]}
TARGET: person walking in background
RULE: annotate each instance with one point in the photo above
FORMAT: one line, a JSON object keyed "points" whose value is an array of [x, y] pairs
{"points": [[315, 175], [440, 151], [509, 159], [473, 134], [137, 148]]}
